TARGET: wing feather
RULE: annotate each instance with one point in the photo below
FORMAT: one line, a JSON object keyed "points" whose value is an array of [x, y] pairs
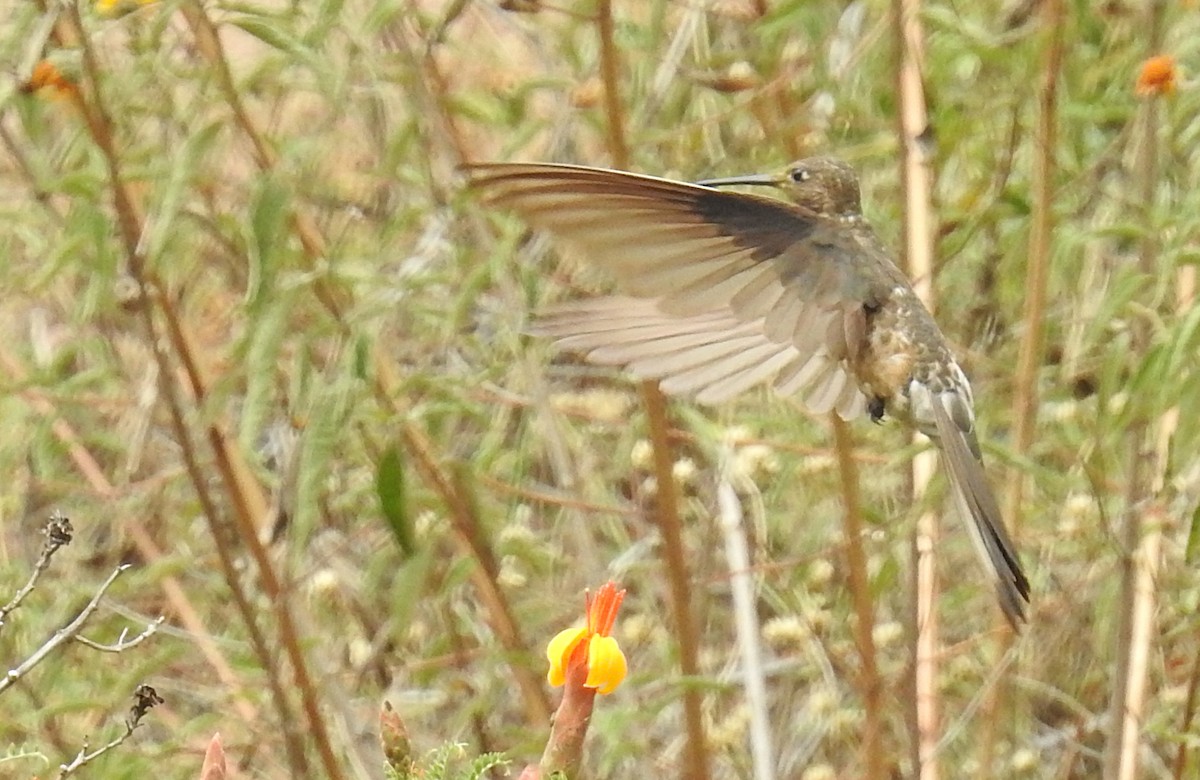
{"points": [[712, 356]]}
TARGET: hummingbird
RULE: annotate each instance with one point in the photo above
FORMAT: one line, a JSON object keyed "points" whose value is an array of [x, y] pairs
{"points": [[721, 290]]}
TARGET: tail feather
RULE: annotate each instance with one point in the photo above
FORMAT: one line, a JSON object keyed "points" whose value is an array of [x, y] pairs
{"points": [[981, 514]]}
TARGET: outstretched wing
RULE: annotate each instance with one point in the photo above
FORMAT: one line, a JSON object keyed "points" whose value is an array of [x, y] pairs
{"points": [[711, 356], [766, 278]]}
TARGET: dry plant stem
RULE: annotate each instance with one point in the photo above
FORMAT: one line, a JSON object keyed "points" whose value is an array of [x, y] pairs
{"points": [[313, 244], [1141, 535], [912, 123], [749, 628], [242, 488], [122, 644], [1029, 359], [91, 471], [870, 685], [667, 509], [58, 535], [1180, 764], [208, 43], [670, 527], [144, 699], [431, 93], [64, 634], [469, 536], [610, 75]]}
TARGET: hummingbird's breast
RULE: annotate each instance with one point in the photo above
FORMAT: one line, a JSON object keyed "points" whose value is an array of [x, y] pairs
{"points": [[884, 365], [902, 345]]}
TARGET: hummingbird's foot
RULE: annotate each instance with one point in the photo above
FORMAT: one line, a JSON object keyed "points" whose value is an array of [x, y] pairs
{"points": [[876, 408]]}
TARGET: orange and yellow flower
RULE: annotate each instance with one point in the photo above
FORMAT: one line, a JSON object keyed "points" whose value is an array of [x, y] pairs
{"points": [[591, 645], [1158, 76]]}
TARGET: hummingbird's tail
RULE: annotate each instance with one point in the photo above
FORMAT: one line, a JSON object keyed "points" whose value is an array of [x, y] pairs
{"points": [[981, 514]]}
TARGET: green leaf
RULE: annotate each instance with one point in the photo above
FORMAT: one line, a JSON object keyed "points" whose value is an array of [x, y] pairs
{"points": [[271, 34], [320, 439], [1192, 551], [265, 339], [393, 499], [412, 577], [268, 223], [182, 168]]}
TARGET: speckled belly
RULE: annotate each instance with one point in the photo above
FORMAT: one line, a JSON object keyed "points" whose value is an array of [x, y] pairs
{"points": [[884, 367]]}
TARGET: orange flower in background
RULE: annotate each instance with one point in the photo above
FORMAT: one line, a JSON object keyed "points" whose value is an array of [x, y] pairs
{"points": [[46, 76], [1158, 76], [591, 644]]}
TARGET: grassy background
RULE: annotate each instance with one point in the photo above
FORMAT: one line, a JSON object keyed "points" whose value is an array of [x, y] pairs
{"points": [[330, 359]]}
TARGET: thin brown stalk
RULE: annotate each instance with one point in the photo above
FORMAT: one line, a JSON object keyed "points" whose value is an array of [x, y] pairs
{"points": [[430, 92], [924, 718], [1029, 359], [470, 537], [870, 684], [674, 556], [667, 501], [1141, 535], [1180, 764], [610, 75], [131, 224], [313, 243]]}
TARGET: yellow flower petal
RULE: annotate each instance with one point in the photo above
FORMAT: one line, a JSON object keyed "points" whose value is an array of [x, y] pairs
{"points": [[558, 653], [606, 664]]}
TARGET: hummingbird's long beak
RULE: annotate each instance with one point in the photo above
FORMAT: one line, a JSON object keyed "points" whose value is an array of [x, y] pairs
{"points": [[761, 179]]}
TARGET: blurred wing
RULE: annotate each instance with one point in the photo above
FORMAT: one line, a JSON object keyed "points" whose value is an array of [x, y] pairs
{"points": [[712, 356], [979, 510], [784, 273]]}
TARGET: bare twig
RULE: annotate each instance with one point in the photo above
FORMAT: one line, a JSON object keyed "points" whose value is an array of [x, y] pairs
{"points": [[94, 475], [1029, 360], [145, 698], [869, 683], [64, 634], [122, 644], [58, 534], [468, 534]]}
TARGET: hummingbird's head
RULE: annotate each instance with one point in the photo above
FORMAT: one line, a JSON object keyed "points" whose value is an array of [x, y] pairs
{"points": [[823, 185]]}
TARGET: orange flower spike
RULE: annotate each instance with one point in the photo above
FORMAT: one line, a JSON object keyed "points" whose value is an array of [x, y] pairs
{"points": [[602, 611], [1158, 76]]}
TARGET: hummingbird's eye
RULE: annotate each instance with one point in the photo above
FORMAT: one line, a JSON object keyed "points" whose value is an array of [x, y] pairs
{"points": [[800, 175]]}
